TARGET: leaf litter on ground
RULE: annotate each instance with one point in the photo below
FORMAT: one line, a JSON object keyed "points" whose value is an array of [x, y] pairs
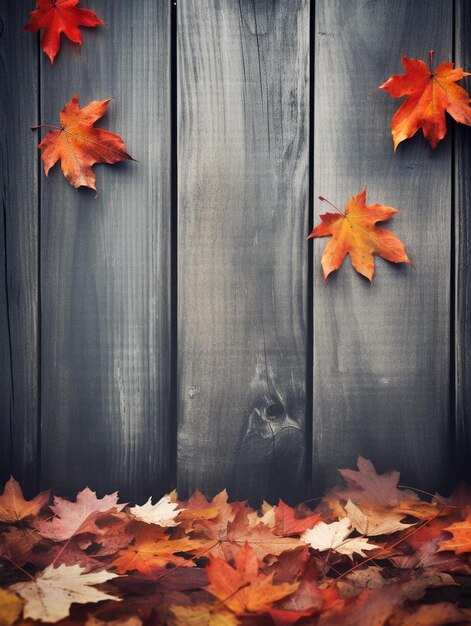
{"points": [[370, 553]]}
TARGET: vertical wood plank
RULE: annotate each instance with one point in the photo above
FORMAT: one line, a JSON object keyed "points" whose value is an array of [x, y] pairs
{"points": [[242, 194], [105, 267], [381, 353], [462, 167], [18, 248]]}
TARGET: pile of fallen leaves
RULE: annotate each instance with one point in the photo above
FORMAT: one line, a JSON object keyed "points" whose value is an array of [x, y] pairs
{"points": [[369, 554]]}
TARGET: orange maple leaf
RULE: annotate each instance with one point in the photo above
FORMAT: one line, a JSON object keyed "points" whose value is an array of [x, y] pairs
{"points": [[79, 145], [244, 589], [197, 507], [153, 549], [429, 94], [289, 521], [355, 233], [225, 539], [13, 506], [461, 541], [56, 17]]}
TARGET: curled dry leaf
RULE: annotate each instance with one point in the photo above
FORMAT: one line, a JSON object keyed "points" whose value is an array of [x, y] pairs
{"points": [[429, 94], [56, 17], [356, 233], [48, 597], [79, 145]]}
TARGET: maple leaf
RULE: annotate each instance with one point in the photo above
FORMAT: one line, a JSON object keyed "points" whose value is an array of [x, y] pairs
{"points": [[203, 615], [288, 566], [334, 536], [197, 509], [153, 549], [461, 541], [128, 620], [72, 518], [430, 615], [424, 543], [163, 513], [48, 597], [290, 521], [10, 607], [258, 567], [229, 537], [373, 521], [429, 94], [367, 485], [306, 600], [412, 586], [19, 542], [244, 589], [355, 233], [13, 506], [112, 538], [57, 17], [79, 145], [370, 608], [368, 577], [265, 515]]}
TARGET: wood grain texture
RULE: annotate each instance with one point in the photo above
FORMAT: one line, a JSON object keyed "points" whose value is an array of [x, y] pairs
{"points": [[18, 248], [381, 353], [462, 168], [243, 183], [105, 267]]}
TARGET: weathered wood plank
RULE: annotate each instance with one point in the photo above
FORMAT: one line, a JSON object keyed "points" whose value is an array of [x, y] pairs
{"points": [[381, 353], [18, 248], [105, 267], [243, 183], [462, 294]]}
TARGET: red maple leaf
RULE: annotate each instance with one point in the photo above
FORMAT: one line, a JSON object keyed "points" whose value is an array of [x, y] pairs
{"points": [[56, 17], [78, 145]]}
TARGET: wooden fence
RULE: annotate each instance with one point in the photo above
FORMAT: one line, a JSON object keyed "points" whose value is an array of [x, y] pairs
{"points": [[177, 330]]}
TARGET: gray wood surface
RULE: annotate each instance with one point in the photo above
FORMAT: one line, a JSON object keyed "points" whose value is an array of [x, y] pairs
{"points": [[87, 286], [18, 248], [105, 267], [463, 255], [243, 117], [381, 353]]}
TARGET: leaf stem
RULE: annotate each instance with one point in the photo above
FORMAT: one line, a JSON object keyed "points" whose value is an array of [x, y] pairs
{"points": [[18, 567], [46, 126], [221, 603], [332, 205], [430, 61], [387, 548]]}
